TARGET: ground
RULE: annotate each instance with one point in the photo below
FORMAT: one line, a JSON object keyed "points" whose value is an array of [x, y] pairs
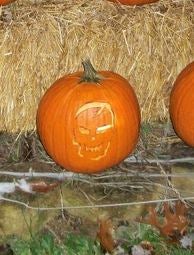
{"points": [[131, 181]]}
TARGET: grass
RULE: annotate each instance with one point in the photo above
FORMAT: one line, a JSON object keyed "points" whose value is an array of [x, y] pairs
{"points": [[81, 245], [46, 244], [42, 245], [159, 244]]}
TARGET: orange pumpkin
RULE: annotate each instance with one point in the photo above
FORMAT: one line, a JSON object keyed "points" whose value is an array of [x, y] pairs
{"points": [[182, 105], [134, 2], [6, 2], [89, 121]]}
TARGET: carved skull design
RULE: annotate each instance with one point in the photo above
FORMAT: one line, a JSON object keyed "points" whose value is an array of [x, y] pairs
{"points": [[93, 130]]}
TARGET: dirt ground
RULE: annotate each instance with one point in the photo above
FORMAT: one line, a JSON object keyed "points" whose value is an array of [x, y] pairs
{"points": [[159, 169]]}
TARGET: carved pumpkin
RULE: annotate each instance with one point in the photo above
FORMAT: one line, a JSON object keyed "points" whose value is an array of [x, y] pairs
{"points": [[5, 2], [182, 105], [89, 121], [134, 2]]}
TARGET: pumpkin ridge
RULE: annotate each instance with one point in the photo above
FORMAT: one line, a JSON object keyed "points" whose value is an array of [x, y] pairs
{"points": [[58, 111], [105, 89], [179, 102], [5, 2], [181, 105], [46, 100], [115, 94], [55, 110], [179, 92], [133, 96]]}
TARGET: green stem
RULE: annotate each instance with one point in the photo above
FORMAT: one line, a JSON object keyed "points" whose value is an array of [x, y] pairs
{"points": [[90, 74]]}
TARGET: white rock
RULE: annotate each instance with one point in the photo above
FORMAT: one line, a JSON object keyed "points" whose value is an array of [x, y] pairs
{"points": [[138, 250]]}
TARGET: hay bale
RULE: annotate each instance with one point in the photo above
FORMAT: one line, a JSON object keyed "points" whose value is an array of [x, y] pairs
{"points": [[148, 45]]}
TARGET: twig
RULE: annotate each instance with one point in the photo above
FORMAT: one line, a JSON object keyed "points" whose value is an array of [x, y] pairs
{"points": [[68, 175], [161, 161], [169, 183], [94, 206], [62, 205], [31, 174]]}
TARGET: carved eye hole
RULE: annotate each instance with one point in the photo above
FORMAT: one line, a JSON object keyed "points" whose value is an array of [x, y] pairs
{"points": [[84, 130], [103, 128]]}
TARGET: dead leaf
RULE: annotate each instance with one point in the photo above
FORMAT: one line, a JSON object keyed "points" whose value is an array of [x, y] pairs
{"points": [[42, 186], [5, 249], [105, 235], [174, 224], [146, 245]]}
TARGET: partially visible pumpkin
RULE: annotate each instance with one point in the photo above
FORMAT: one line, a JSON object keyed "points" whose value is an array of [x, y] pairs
{"points": [[134, 2], [6, 2], [89, 121], [182, 105]]}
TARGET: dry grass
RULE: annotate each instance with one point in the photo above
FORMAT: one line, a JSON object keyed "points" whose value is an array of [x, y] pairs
{"points": [[43, 40]]}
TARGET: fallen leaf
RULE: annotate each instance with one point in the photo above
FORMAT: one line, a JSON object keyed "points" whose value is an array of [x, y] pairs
{"points": [[146, 245], [105, 234], [5, 249], [42, 186], [174, 224]]}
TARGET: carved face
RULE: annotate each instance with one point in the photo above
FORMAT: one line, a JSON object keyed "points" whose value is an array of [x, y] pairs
{"points": [[93, 130]]}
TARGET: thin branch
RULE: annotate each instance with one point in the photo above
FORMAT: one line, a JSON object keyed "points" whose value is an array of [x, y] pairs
{"points": [[59, 176], [145, 175], [169, 183], [133, 159], [94, 206], [86, 178], [73, 176]]}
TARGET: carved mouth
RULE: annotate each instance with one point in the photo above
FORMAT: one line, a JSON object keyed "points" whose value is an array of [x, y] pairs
{"points": [[92, 152], [91, 149]]}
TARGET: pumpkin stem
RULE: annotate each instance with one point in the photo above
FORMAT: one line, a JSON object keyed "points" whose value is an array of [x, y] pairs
{"points": [[90, 74]]}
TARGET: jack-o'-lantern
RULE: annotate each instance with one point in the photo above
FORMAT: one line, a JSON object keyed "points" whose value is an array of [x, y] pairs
{"points": [[89, 121]]}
